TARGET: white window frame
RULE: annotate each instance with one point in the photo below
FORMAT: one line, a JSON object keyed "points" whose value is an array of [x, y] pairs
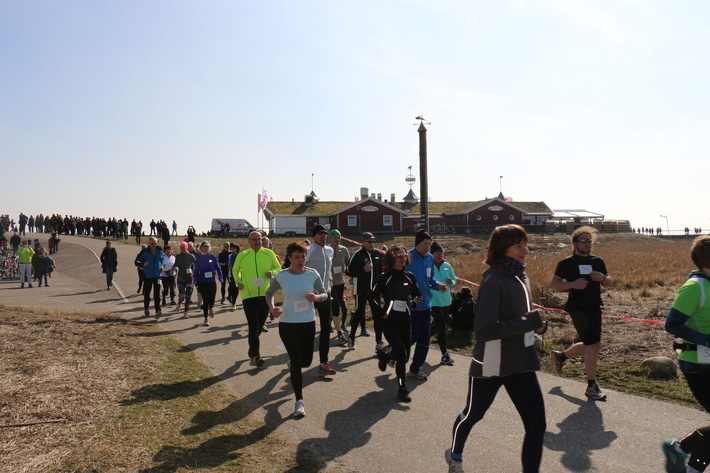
{"points": [[352, 220], [387, 221]]}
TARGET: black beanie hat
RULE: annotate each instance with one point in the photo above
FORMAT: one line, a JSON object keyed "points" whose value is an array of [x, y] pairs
{"points": [[421, 236]]}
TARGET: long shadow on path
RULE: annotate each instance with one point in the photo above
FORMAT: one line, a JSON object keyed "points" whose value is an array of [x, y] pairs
{"points": [[348, 429], [580, 434]]}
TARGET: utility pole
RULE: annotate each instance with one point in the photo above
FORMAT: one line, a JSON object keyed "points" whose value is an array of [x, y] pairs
{"points": [[423, 182]]}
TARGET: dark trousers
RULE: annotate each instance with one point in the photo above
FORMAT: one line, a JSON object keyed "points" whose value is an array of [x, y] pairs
{"points": [[337, 301], [109, 275], [256, 310], [397, 330], [298, 339], [358, 318], [224, 283], [154, 285], [233, 291], [697, 443], [441, 317], [524, 391], [208, 291], [141, 279], [168, 287], [323, 310], [421, 333]]}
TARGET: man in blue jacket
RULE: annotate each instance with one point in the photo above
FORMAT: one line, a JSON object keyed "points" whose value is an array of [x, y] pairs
{"points": [[152, 261], [421, 264]]}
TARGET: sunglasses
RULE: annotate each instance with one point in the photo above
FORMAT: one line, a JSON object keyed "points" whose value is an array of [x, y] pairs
{"points": [[584, 240], [369, 241], [400, 253]]}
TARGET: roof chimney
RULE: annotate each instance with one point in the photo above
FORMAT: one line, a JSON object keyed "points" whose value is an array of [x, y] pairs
{"points": [[364, 192], [379, 196], [392, 197]]}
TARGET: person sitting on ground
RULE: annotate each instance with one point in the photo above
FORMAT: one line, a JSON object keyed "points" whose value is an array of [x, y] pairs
{"points": [[462, 318]]}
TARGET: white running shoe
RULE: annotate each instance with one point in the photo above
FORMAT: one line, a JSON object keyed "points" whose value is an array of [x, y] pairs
{"points": [[300, 410]]}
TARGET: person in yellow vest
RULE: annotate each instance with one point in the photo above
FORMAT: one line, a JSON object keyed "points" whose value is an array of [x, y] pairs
{"points": [[25, 254], [253, 270]]}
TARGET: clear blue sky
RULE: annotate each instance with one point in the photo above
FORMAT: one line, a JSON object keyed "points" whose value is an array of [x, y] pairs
{"points": [[186, 110]]}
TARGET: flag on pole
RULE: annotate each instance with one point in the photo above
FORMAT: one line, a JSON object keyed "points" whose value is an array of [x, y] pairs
{"points": [[264, 198], [258, 203]]}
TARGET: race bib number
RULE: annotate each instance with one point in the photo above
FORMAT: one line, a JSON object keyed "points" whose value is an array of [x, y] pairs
{"points": [[208, 274], [428, 272], [585, 269], [529, 339], [703, 354], [300, 306], [257, 282], [399, 306], [337, 269]]}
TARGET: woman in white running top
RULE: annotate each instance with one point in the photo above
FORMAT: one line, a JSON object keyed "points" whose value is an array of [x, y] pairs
{"points": [[301, 287]]}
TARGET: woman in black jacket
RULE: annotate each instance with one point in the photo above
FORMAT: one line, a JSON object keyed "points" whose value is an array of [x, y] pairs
{"points": [[504, 354], [109, 263], [400, 292]]}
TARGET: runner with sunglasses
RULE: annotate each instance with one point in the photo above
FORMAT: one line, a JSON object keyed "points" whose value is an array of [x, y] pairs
{"points": [[583, 275]]}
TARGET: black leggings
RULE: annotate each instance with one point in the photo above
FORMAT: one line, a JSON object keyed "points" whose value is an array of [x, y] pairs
{"points": [[323, 311], [524, 391], [398, 331], [441, 317], [208, 291], [256, 309], [697, 443], [298, 338]]}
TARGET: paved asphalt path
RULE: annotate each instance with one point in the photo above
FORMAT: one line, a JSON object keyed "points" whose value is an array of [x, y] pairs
{"points": [[353, 422]]}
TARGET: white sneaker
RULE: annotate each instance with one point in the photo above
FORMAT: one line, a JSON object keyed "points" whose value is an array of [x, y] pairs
{"points": [[454, 466], [300, 410]]}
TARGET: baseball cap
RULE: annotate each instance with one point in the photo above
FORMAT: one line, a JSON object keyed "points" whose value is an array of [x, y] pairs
{"points": [[317, 229], [367, 236]]}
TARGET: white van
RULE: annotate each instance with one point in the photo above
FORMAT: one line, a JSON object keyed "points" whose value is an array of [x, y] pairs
{"points": [[224, 227]]}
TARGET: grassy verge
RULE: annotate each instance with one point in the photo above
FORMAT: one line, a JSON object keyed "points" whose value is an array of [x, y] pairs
{"points": [[120, 398], [625, 377]]}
